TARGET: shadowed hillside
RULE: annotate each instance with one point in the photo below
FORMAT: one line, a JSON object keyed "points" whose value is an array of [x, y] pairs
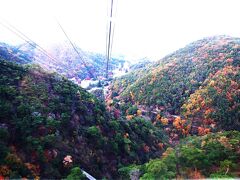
{"points": [[49, 125]]}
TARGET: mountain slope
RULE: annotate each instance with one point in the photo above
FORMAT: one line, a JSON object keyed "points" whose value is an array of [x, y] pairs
{"points": [[65, 60], [13, 54], [167, 84], [49, 125], [217, 101], [210, 156]]}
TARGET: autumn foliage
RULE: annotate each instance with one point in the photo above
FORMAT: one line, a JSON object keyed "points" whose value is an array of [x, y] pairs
{"points": [[182, 125], [216, 103]]}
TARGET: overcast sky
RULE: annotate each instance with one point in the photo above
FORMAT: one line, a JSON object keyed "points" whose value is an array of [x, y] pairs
{"points": [[143, 28]]}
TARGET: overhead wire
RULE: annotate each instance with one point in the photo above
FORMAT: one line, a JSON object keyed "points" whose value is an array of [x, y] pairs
{"points": [[75, 49], [34, 45], [37, 45], [107, 27], [109, 39], [25, 38], [29, 41], [113, 29]]}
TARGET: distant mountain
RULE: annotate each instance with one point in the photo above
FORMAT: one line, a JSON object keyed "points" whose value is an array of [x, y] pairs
{"points": [[63, 59], [141, 64], [14, 54], [68, 63], [49, 126], [205, 71]]}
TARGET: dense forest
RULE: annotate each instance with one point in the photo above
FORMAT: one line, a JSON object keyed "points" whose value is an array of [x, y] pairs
{"points": [[178, 117], [200, 83], [191, 92], [45, 118], [196, 157]]}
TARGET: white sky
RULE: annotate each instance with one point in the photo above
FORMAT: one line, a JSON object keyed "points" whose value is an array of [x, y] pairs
{"points": [[143, 28]]}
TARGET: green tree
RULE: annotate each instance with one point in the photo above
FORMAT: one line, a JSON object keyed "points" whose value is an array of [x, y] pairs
{"points": [[76, 174]]}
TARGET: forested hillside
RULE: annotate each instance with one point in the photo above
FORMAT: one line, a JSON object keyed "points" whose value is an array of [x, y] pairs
{"points": [[119, 90], [210, 156], [49, 125], [216, 103], [199, 82], [175, 118]]}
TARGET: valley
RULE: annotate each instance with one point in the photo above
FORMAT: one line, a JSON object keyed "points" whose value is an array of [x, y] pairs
{"points": [[178, 117]]}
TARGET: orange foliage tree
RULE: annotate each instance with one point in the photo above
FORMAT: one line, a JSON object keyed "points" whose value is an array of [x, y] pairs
{"points": [[181, 125]]}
